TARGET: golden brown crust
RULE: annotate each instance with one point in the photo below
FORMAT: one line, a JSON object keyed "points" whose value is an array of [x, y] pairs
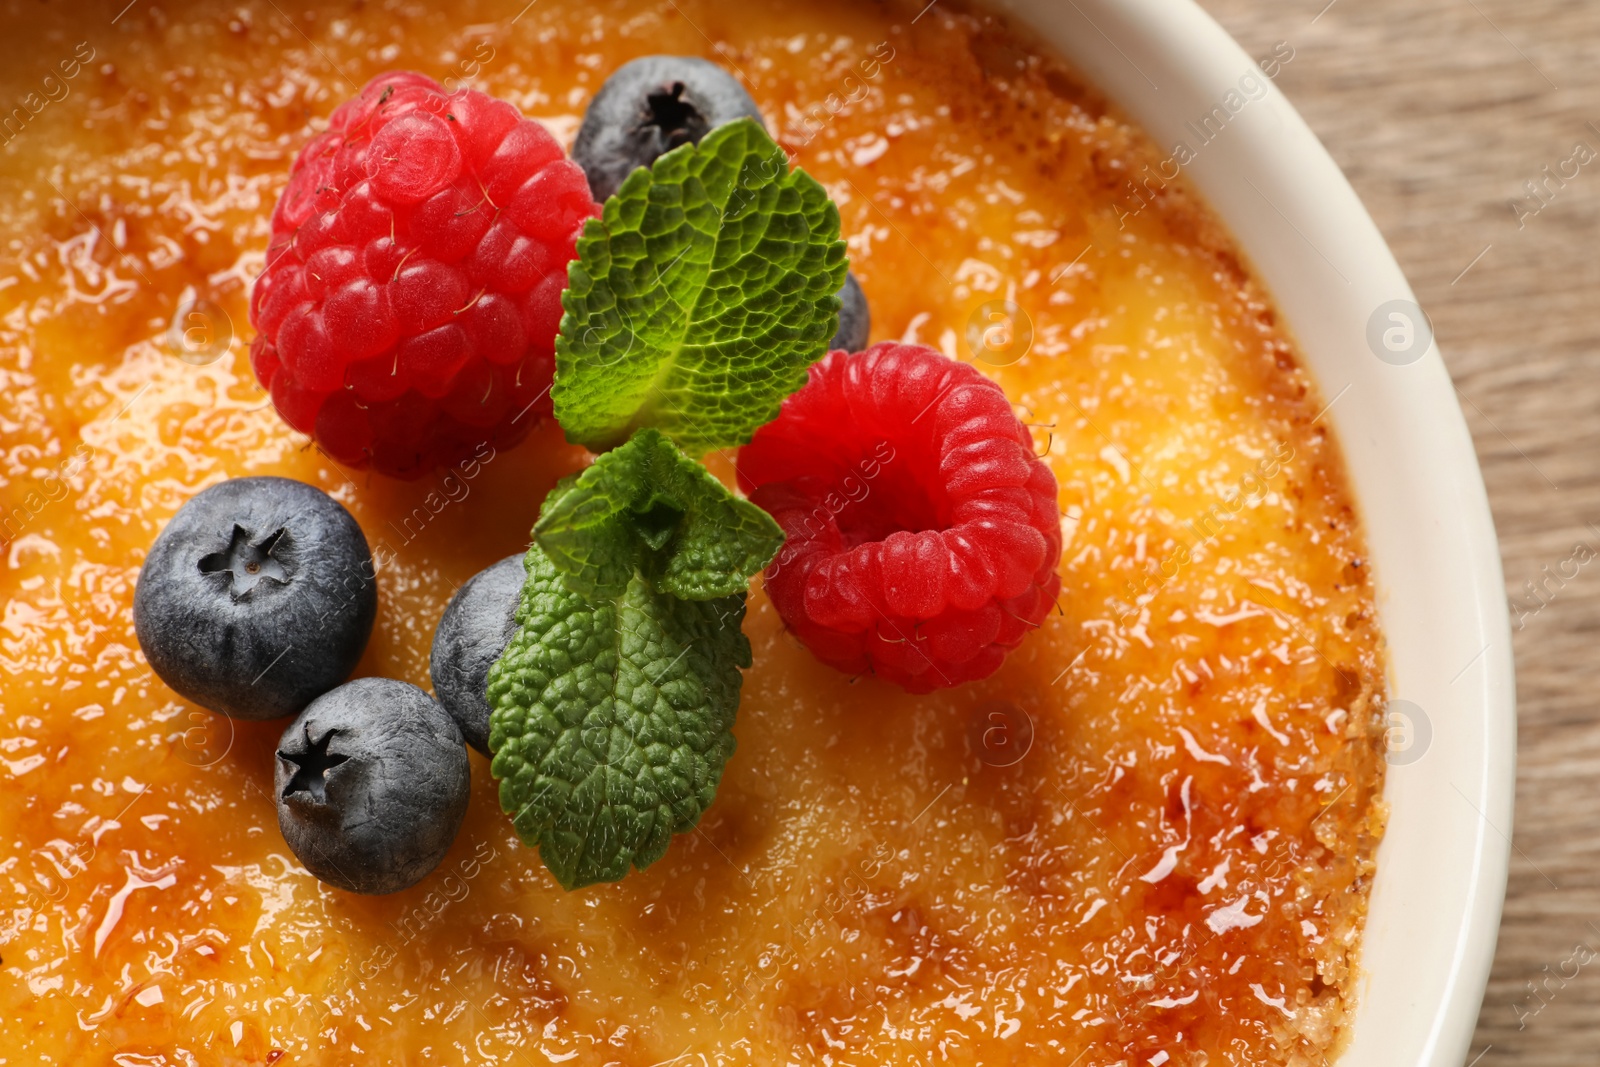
{"points": [[1179, 862]]}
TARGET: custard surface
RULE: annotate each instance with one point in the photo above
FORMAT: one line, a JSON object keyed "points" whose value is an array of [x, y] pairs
{"points": [[1147, 839]]}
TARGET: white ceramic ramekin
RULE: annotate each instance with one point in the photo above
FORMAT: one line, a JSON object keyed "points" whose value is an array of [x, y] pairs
{"points": [[1441, 874]]}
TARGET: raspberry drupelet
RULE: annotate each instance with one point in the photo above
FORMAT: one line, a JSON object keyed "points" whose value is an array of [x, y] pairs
{"points": [[412, 294], [923, 531]]}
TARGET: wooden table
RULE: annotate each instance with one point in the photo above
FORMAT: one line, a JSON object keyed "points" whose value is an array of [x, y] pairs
{"points": [[1440, 111]]}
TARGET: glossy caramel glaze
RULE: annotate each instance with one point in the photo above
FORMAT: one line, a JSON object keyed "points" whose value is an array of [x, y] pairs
{"points": [[1147, 839]]}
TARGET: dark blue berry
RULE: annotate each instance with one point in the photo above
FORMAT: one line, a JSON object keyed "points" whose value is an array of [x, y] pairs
{"points": [[649, 106], [257, 598], [855, 321], [474, 630], [372, 784]]}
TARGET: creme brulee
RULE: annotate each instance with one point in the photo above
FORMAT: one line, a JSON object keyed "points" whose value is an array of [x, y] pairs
{"points": [[1148, 839]]}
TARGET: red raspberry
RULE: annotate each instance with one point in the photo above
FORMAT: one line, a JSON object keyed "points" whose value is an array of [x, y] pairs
{"points": [[412, 294], [923, 532]]}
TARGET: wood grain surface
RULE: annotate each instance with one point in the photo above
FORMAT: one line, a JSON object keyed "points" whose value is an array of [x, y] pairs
{"points": [[1440, 112]]}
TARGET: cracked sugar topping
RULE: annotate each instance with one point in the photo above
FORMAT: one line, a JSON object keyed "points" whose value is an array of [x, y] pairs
{"points": [[1147, 838]]}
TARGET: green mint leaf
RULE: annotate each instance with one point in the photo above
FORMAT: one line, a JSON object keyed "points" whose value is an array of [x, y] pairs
{"points": [[700, 297], [612, 719], [645, 507]]}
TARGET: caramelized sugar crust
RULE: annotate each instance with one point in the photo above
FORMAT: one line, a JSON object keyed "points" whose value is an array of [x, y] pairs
{"points": [[1151, 833]]}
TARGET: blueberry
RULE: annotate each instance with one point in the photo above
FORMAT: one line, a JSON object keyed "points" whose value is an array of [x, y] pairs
{"points": [[855, 321], [475, 628], [372, 785], [649, 106], [257, 598]]}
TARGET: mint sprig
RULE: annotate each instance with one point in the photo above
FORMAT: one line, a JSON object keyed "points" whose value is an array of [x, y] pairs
{"points": [[699, 297], [613, 719], [645, 508], [695, 305]]}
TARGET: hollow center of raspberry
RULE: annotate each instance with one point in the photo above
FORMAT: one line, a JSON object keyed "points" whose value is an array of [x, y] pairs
{"points": [[879, 499], [678, 120]]}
